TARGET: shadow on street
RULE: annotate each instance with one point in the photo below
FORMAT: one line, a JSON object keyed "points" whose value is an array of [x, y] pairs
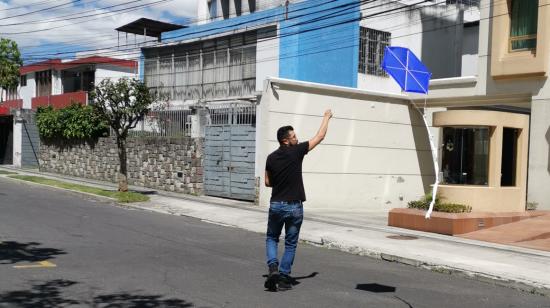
{"points": [[14, 252], [49, 295]]}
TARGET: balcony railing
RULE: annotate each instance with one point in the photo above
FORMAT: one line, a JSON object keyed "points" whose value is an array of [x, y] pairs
{"points": [[60, 100]]}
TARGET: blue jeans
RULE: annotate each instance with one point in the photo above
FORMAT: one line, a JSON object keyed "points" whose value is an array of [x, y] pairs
{"points": [[290, 215]]}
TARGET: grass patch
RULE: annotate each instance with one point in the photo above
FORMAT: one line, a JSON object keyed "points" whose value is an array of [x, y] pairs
{"points": [[125, 197], [7, 172]]}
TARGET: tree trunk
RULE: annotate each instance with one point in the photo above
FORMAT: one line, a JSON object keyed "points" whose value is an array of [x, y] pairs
{"points": [[122, 172]]}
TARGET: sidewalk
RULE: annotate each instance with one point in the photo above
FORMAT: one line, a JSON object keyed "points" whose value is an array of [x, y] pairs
{"points": [[365, 233]]}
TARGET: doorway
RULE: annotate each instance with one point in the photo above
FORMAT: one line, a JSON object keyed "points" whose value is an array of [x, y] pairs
{"points": [[6, 140]]}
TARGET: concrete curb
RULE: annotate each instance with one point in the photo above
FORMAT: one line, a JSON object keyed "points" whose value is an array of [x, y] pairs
{"points": [[517, 284]]}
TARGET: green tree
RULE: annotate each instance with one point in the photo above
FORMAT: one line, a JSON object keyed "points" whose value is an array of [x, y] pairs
{"points": [[123, 104], [10, 61]]}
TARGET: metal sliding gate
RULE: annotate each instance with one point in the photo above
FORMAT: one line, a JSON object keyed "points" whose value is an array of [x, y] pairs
{"points": [[230, 152]]}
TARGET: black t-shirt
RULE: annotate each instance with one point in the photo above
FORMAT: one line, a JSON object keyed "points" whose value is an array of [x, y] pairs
{"points": [[284, 166]]}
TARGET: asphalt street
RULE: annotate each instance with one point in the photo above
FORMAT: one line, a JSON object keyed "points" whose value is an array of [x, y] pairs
{"points": [[63, 249]]}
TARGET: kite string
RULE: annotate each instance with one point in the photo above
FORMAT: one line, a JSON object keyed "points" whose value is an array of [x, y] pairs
{"points": [[434, 155]]}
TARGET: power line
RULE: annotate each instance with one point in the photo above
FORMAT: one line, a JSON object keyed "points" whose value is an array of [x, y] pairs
{"points": [[294, 33], [41, 10], [110, 14], [309, 29], [57, 19], [380, 13], [108, 47], [27, 5], [206, 30]]}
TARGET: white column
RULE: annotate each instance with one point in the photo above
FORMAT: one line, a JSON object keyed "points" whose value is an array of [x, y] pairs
{"points": [[17, 141], [539, 155]]}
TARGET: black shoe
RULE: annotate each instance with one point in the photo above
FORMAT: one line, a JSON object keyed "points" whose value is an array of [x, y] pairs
{"points": [[285, 282], [272, 277]]}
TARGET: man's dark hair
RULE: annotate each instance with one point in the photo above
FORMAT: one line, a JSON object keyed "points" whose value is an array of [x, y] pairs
{"points": [[282, 133]]}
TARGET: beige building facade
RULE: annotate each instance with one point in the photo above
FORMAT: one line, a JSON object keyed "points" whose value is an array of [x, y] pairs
{"points": [[512, 78], [491, 127]]}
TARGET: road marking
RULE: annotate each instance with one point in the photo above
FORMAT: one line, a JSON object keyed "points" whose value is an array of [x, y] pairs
{"points": [[40, 264]]}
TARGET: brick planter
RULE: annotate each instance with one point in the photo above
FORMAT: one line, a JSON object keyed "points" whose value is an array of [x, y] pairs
{"points": [[453, 223]]}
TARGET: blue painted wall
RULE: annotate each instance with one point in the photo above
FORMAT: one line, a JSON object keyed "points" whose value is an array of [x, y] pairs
{"points": [[318, 38], [319, 42]]}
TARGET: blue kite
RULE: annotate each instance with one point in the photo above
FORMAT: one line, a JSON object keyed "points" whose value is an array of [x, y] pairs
{"points": [[409, 72], [413, 76]]}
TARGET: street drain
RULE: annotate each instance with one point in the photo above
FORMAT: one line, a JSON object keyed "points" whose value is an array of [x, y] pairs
{"points": [[402, 237]]}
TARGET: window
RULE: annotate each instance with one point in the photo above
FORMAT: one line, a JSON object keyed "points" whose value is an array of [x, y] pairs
{"points": [[23, 80], [465, 158], [12, 94], [371, 51], [523, 24], [43, 83], [509, 156], [213, 8], [77, 80], [223, 67]]}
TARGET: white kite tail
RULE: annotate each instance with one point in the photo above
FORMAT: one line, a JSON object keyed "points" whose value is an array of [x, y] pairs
{"points": [[436, 165]]}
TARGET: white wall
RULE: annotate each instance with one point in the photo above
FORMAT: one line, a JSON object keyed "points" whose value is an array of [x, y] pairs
{"points": [[57, 86], [104, 71], [267, 58], [17, 143], [376, 83], [539, 143], [405, 32], [429, 31], [470, 51], [203, 12], [28, 92], [371, 158]]}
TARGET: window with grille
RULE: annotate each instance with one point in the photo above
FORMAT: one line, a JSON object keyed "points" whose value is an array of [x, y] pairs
{"points": [[217, 68], [43, 83], [523, 25], [371, 51], [12, 94]]}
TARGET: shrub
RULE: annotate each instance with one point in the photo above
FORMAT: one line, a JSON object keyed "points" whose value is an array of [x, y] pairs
{"points": [[47, 120], [531, 206], [439, 206], [72, 122]]}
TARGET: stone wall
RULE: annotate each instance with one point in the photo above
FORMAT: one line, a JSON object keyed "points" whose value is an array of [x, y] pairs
{"points": [[171, 164]]}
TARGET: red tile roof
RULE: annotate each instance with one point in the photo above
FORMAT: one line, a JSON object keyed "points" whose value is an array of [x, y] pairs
{"points": [[57, 64]]}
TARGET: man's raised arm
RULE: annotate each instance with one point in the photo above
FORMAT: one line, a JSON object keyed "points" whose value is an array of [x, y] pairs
{"points": [[322, 131]]}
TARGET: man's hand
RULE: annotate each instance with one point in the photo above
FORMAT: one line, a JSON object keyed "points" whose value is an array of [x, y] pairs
{"points": [[322, 131]]}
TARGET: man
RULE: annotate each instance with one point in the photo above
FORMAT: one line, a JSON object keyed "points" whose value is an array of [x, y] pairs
{"points": [[283, 172]]}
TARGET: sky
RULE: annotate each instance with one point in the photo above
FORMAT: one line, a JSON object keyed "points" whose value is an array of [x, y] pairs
{"points": [[45, 29]]}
